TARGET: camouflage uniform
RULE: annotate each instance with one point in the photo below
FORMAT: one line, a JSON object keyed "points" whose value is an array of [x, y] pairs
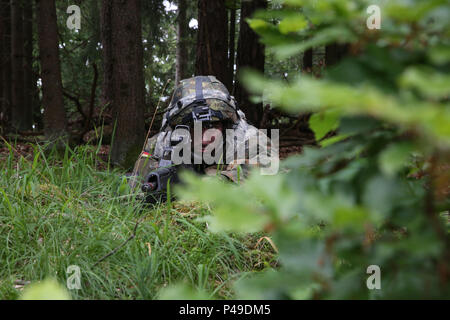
{"points": [[217, 98]]}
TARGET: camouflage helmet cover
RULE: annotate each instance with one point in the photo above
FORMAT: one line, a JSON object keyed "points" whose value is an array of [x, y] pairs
{"points": [[213, 94]]}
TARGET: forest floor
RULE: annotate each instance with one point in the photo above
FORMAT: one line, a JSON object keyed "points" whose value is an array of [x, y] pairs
{"points": [[72, 209]]}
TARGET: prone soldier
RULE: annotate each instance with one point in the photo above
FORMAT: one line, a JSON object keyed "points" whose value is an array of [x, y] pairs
{"points": [[202, 130]]}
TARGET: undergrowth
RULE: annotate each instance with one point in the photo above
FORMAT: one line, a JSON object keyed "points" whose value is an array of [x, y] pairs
{"points": [[58, 210]]}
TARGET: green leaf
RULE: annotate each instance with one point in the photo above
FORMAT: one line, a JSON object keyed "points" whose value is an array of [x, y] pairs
{"points": [[292, 24], [431, 119], [333, 140], [258, 24], [323, 122], [350, 217], [411, 11], [328, 35], [395, 157], [234, 208], [440, 54], [431, 84], [381, 195], [48, 289]]}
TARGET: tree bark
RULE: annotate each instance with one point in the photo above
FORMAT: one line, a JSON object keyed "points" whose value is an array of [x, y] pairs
{"points": [[5, 51], [212, 41], [308, 60], [2, 45], [55, 121], [21, 115], [106, 36], [29, 86], [250, 54], [231, 44], [181, 55], [124, 75], [335, 52]]}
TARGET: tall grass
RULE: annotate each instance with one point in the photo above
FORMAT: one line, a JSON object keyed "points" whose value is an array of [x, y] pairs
{"points": [[67, 209]]}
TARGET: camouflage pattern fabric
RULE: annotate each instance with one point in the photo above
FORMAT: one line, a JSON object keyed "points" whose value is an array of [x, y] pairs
{"points": [[215, 94], [234, 171], [217, 98]]}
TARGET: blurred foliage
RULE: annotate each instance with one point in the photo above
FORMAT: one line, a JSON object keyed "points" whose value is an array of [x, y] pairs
{"points": [[376, 193], [48, 289], [181, 291]]}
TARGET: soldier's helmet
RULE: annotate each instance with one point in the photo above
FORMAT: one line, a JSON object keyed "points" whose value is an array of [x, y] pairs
{"points": [[201, 98]]}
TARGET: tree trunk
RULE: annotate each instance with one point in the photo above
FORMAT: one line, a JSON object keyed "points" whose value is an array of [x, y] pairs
{"points": [[5, 51], [308, 60], [21, 115], [2, 45], [335, 52], [181, 55], [231, 44], [124, 75], [55, 121], [250, 54], [212, 41], [29, 86], [106, 36]]}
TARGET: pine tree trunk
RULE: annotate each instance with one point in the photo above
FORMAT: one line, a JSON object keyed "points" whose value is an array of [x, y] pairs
{"points": [[21, 115], [212, 41], [105, 32], [55, 121], [2, 45], [181, 55], [335, 52], [308, 60], [29, 86], [250, 54], [231, 44], [5, 63], [125, 77]]}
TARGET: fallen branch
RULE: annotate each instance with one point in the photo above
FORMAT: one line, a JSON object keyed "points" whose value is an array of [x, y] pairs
{"points": [[132, 236]]}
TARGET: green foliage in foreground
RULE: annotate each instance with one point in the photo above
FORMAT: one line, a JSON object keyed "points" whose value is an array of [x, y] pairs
{"points": [[375, 194], [60, 211]]}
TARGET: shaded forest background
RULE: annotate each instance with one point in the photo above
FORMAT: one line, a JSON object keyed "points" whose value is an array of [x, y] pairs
{"points": [[123, 62], [372, 189]]}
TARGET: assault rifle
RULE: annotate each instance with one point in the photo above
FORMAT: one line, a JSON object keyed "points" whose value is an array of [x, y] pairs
{"points": [[156, 183]]}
